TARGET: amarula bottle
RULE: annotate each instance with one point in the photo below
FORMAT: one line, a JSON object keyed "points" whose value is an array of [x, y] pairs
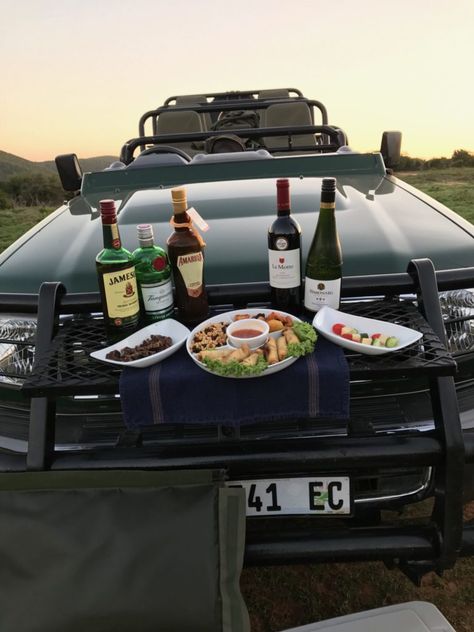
{"points": [[324, 264], [185, 251], [284, 254], [117, 282], [153, 277]]}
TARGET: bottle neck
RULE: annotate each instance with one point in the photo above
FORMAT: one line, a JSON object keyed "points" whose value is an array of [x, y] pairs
{"points": [[111, 236], [146, 243], [328, 199], [181, 217], [283, 212]]}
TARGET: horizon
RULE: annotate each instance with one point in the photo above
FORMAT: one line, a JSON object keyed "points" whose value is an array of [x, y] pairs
{"points": [[76, 79]]}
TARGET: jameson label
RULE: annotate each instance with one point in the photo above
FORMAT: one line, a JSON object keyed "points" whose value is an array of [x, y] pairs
{"points": [[115, 237], [318, 293], [121, 293], [191, 269], [284, 268], [157, 297]]}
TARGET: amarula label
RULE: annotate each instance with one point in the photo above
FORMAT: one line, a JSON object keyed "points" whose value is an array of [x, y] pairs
{"points": [[121, 293], [191, 269]]}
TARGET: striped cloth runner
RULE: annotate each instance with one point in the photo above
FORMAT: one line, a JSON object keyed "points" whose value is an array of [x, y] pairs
{"points": [[177, 391]]}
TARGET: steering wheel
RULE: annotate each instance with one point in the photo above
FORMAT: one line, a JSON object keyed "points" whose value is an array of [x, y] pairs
{"points": [[165, 149]]}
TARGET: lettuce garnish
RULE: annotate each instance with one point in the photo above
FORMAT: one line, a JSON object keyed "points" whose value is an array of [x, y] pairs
{"points": [[236, 369], [307, 339]]}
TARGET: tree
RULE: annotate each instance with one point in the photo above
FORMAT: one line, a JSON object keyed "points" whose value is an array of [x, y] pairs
{"points": [[462, 158]]}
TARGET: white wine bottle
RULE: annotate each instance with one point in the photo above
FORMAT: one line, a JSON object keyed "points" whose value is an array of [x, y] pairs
{"points": [[324, 264]]}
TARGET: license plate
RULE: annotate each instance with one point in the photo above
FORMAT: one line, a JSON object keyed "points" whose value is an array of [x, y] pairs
{"points": [[321, 495]]}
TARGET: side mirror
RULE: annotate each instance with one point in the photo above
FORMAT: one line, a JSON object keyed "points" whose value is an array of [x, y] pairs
{"points": [[391, 148], [70, 172]]}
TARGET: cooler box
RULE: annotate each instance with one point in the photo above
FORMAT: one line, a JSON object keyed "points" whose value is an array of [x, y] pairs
{"points": [[413, 616]]}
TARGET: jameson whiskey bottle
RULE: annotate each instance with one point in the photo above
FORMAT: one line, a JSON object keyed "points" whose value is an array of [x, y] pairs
{"points": [[185, 251], [153, 277], [284, 254], [324, 264], [117, 282]]}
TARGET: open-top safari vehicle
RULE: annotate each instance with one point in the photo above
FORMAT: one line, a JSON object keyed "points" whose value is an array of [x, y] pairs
{"points": [[407, 259]]}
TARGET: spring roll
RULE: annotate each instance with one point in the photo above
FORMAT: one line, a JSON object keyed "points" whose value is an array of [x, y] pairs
{"points": [[271, 351], [282, 348], [291, 337], [251, 360], [213, 354], [238, 354]]}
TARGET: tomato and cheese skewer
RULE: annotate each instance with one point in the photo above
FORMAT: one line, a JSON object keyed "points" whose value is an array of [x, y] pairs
{"points": [[377, 339]]}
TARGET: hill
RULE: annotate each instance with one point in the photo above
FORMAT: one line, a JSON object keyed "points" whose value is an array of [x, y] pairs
{"points": [[11, 165]]}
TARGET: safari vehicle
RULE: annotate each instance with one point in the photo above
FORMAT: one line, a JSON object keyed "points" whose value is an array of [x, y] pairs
{"points": [[410, 436]]}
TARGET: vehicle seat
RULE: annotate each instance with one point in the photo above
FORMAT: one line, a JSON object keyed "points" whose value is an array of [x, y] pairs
{"points": [[287, 114], [197, 99], [180, 123]]}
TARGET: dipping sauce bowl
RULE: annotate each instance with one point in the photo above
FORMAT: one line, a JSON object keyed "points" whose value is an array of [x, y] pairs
{"points": [[251, 331]]}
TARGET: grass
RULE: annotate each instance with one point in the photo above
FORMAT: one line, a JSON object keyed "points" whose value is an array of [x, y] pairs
{"points": [[16, 221], [287, 596], [283, 597], [453, 187]]}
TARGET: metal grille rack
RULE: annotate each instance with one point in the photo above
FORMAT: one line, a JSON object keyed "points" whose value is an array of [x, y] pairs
{"points": [[66, 368], [63, 366]]}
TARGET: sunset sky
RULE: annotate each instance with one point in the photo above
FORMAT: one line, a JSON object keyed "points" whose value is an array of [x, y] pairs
{"points": [[77, 74]]}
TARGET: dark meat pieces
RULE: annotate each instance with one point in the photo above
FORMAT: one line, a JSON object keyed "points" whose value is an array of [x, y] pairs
{"points": [[149, 346]]}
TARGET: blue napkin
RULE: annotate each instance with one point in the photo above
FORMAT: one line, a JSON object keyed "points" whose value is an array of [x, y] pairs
{"points": [[177, 391]]}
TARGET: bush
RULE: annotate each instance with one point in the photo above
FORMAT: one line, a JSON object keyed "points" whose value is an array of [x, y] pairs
{"points": [[34, 189], [407, 163], [460, 158], [5, 201]]}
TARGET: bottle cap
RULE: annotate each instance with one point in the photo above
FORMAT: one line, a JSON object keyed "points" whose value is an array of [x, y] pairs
{"points": [[178, 195], [328, 185], [145, 232], [107, 207], [283, 194]]}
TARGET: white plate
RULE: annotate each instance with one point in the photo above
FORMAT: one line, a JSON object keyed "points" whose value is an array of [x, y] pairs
{"points": [[168, 327], [228, 317], [327, 317]]}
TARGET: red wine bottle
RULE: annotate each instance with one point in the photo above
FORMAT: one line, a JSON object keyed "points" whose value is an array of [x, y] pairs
{"points": [[284, 254]]}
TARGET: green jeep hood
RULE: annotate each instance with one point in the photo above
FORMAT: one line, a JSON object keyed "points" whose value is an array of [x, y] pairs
{"points": [[383, 223]]}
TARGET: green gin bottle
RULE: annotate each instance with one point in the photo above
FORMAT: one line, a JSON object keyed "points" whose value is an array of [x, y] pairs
{"points": [[116, 275], [324, 264], [153, 277]]}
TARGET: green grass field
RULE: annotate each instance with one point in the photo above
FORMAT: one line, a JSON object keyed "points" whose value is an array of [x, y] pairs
{"points": [[287, 596], [16, 221], [453, 187]]}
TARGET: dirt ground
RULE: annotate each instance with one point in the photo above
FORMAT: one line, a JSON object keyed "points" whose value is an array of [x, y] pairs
{"points": [[287, 596]]}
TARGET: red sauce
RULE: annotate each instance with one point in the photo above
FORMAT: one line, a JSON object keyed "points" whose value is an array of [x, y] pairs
{"points": [[247, 333]]}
